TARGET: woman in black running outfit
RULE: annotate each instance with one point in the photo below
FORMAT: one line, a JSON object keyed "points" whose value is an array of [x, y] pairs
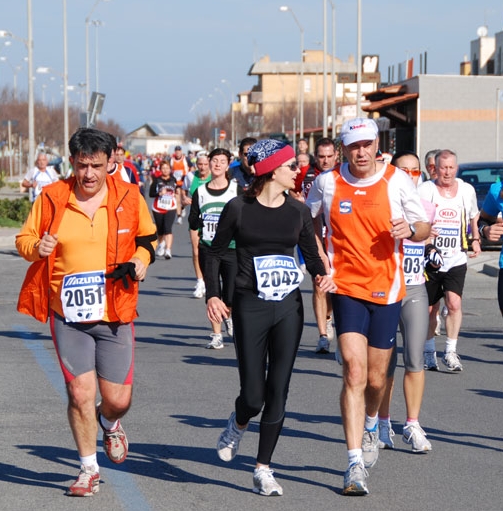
{"points": [[267, 309]]}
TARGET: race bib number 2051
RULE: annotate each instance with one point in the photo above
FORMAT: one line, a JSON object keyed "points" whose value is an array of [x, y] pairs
{"points": [[277, 276], [83, 296]]}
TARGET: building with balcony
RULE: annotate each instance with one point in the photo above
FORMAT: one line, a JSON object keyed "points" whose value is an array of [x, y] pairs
{"points": [[275, 99]]}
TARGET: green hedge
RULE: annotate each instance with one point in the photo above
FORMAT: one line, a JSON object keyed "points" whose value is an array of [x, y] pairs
{"points": [[15, 210]]}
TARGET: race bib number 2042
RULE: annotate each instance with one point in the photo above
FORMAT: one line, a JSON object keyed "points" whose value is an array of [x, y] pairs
{"points": [[277, 276]]}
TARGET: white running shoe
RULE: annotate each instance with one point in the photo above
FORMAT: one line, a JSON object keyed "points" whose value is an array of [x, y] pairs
{"points": [[167, 254], [330, 329], [355, 480], [229, 327], [414, 435], [228, 441], [265, 484], [216, 342], [159, 251], [179, 220], [200, 289], [386, 435], [452, 362], [370, 447]]}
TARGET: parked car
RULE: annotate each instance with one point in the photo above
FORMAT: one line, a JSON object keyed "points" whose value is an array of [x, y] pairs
{"points": [[481, 175]]}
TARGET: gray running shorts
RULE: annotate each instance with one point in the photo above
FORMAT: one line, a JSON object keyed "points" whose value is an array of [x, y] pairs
{"points": [[106, 348]]}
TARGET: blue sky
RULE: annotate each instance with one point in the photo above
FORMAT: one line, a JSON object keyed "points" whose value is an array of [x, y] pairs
{"points": [[156, 58]]}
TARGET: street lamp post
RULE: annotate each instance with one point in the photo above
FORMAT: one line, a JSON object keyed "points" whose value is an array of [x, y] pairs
{"points": [[15, 71], [325, 105], [334, 82], [66, 136], [97, 24], [233, 137], [87, 21], [31, 102], [359, 60], [285, 8]]}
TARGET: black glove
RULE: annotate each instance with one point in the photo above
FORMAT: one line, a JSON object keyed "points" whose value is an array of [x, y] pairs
{"points": [[433, 259], [121, 272]]}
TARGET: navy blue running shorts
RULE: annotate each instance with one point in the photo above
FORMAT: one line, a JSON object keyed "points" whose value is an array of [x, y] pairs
{"points": [[378, 323]]}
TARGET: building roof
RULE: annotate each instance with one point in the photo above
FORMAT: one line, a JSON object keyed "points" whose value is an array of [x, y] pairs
{"points": [[270, 68], [160, 129]]}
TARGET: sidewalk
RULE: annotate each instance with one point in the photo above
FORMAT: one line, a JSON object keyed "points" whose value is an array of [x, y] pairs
{"points": [[8, 236]]}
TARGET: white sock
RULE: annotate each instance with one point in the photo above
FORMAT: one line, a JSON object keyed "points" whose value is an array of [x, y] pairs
{"points": [[450, 345], [371, 422], [90, 462], [109, 426], [429, 345], [354, 456]]}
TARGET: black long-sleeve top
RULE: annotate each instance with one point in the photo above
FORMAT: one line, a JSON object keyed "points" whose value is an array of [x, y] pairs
{"points": [[259, 230]]}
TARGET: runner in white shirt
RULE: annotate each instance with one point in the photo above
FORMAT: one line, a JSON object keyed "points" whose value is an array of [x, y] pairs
{"points": [[39, 176], [456, 209]]}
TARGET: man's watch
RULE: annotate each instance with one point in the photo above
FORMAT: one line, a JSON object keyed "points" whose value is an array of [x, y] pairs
{"points": [[412, 230]]}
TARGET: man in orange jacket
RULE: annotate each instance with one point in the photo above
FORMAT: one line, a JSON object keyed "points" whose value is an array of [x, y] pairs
{"points": [[90, 239]]}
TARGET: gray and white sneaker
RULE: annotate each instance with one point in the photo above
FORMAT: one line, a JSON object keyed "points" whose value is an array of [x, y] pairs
{"points": [[265, 484], [386, 435], [430, 361], [355, 480], [323, 346], [216, 342], [330, 329], [228, 441], [229, 326], [414, 435], [370, 447], [452, 362]]}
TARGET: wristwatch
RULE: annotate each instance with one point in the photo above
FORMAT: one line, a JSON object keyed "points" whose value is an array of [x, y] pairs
{"points": [[412, 230]]}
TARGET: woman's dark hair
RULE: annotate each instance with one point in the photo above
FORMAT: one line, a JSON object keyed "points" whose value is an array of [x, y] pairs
{"points": [[399, 154], [257, 185], [218, 151]]}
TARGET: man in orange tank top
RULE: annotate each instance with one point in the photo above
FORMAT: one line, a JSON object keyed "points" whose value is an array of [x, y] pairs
{"points": [[369, 207]]}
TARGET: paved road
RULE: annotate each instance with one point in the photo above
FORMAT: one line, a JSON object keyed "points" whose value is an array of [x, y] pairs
{"points": [[184, 394]]}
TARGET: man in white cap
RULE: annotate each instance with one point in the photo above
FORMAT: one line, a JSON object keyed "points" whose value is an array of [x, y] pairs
{"points": [[369, 207]]}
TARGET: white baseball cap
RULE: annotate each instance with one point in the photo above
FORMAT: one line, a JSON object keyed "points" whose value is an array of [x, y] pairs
{"points": [[358, 129]]}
